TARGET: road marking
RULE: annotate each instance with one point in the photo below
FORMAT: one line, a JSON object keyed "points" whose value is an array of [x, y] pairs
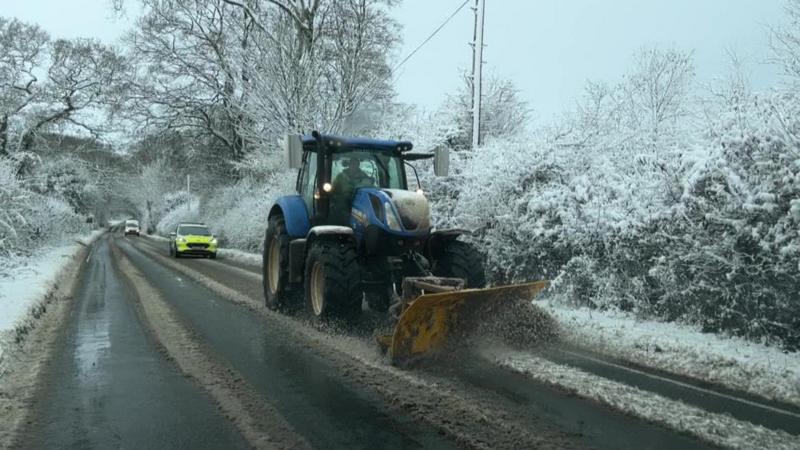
{"points": [[686, 385]]}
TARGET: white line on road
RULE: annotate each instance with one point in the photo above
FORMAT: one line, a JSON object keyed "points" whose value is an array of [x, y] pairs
{"points": [[685, 385]]}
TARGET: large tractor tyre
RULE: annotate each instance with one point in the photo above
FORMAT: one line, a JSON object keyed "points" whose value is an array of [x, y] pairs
{"points": [[277, 286], [461, 260], [333, 288]]}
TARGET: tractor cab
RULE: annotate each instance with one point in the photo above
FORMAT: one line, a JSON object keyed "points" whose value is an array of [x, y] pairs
{"points": [[362, 185]]}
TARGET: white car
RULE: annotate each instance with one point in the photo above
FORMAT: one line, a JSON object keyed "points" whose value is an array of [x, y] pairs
{"points": [[131, 227]]}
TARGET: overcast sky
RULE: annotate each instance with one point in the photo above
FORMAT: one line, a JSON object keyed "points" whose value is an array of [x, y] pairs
{"points": [[548, 47]]}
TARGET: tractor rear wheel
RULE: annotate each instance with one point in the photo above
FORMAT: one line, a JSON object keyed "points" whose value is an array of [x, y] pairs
{"points": [[461, 260], [333, 281], [278, 291]]}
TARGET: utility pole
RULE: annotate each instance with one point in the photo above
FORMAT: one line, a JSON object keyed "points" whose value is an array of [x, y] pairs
{"points": [[477, 66]]}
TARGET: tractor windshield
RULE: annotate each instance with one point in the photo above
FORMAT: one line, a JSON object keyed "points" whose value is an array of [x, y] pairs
{"points": [[369, 168]]}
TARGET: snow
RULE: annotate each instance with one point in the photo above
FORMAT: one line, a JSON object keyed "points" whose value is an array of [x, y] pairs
{"points": [[249, 259], [330, 229], [718, 429], [155, 237], [25, 285], [728, 361]]}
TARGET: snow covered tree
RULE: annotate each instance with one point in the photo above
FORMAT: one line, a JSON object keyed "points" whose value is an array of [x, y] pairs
{"points": [[785, 40], [44, 83], [503, 111], [656, 93], [84, 77], [23, 48], [188, 77]]}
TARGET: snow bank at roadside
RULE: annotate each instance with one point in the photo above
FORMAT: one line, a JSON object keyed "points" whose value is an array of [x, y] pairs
{"points": [[155, 237], [26, 285], [718, 429], [250, 259], [727, 361]]}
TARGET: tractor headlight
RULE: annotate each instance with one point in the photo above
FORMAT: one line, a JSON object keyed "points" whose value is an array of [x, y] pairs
{"points": [[391, 218]]}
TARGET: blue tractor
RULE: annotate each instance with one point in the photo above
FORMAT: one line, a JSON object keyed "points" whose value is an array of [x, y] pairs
{"points": [[354, 233]]}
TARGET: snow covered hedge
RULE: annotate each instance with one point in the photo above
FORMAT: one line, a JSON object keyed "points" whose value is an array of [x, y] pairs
{"points": [[28, 219], [238, 213], [705, 233]]}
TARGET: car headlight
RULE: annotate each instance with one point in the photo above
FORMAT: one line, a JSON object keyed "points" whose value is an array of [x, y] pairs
{"points": [[391, 218], [213, 241], [181, 240]]}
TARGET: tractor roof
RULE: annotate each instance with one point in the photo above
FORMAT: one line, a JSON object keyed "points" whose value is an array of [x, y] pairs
{"points": [[309, 143]]}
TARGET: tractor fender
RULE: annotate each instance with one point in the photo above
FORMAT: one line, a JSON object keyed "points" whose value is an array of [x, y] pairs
{"points": [[438, 238], [294, 213], [298, 248]]}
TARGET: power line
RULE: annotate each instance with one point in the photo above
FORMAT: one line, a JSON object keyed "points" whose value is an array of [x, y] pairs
{"points": [[372, 87], [435, 32]]}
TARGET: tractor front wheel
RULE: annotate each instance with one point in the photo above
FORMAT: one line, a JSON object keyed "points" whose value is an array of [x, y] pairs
{"points": [[333, 281], [277, 287], [461, 260]]}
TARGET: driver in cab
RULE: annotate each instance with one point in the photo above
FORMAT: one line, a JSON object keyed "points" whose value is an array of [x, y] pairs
{"points": [[344, 186]]}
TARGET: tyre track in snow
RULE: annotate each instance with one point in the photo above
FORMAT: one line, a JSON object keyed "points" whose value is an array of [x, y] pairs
{"points": [[588, 422], [742, 406], [403, 404], [258, 422], [716, 429]]}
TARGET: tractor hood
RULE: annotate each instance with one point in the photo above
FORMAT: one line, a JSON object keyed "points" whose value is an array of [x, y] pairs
{"points": [[413, 209]]}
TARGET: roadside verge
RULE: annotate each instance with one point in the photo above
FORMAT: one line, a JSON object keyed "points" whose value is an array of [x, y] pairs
{"points": [[726, 361], [33, 307]]}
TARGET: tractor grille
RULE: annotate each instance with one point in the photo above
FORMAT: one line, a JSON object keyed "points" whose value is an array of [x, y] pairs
{"points": [[199, 246]]}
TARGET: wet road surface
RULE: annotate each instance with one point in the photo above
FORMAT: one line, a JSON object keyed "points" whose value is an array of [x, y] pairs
{"points": [[110, 387], [323, 407]]}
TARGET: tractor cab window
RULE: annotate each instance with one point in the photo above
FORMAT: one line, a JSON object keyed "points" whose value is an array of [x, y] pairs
{"points": [[368, 169]]}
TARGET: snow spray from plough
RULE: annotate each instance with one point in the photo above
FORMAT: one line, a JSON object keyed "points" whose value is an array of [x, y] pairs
{"points": [[434, 309]]}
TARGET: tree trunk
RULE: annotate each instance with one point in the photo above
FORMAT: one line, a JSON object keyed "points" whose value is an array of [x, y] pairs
{"points": [[4, 135]]}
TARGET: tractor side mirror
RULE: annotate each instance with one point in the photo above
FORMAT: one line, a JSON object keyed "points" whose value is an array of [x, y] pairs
{"points": [[293, 147], [441, 161]]}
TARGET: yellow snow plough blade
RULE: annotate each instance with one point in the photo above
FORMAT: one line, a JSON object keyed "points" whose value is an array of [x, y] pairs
{"points": [[428, 321]]}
